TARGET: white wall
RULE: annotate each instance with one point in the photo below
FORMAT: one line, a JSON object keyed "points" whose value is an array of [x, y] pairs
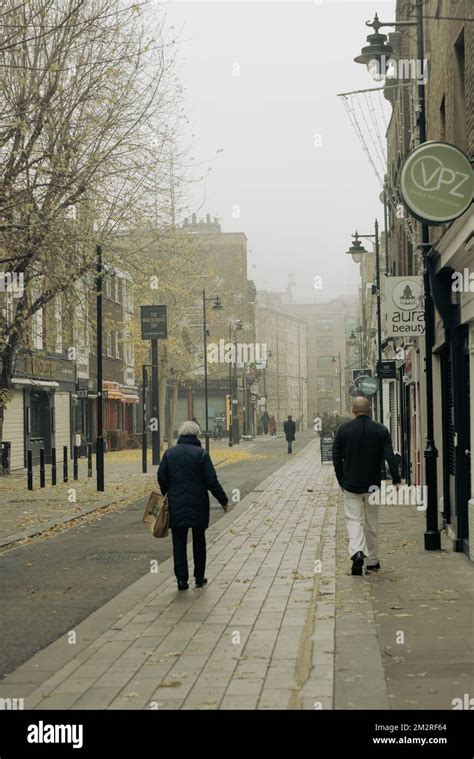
{"points": [[13, 430], [62, 404]]}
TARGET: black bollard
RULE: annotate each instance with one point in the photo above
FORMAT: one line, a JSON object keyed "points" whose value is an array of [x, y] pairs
{"points": [[53, 466], [89, 459], [42, 471], [65, 463], [29, 456], [74, 470]]}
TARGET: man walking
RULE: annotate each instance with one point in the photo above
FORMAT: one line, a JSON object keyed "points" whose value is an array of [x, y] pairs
{"points": [[289, 429], [359, 449]]}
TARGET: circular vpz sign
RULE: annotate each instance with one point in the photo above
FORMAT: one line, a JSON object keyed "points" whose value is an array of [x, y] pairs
{"points": [[436, 182]]}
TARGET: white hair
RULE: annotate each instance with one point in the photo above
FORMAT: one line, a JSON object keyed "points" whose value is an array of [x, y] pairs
{"points": [[189, 428]]}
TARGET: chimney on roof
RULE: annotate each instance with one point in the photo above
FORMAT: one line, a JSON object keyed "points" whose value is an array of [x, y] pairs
{"points": [[208, 218], [194, 218]]}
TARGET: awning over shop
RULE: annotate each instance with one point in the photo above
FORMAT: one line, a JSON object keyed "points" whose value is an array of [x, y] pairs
{"points": [[35, 383], [116, 393], [129, 398]]}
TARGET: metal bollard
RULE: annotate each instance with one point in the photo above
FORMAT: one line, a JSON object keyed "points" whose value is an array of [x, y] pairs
{"points": [[75, 468], [89, 459], [65, 463], [53, 466], [42, 471], [29, 456]]}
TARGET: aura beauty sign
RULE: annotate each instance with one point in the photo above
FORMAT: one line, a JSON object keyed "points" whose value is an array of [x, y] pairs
{"points": [[404, 306]]}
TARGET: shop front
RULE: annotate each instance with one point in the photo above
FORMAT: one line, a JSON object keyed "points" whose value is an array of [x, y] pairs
{"points": [[38, 416]]}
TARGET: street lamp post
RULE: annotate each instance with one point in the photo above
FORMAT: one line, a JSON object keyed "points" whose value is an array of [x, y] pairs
{"points": [[231, 393], [379, 50], [216, 307], [232, 340], [99, 446], [357, 250], [340, 382], [353, 338]]}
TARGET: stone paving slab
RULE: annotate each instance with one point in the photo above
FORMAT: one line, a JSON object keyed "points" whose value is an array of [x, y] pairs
{"points": [[404, 635], [248, 636]]}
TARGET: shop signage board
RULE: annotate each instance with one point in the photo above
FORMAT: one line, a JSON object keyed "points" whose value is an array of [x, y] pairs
{"points": [[387, 369], [326, 448], [404, 307], [436, 182], [154, 323], [367, 385]]}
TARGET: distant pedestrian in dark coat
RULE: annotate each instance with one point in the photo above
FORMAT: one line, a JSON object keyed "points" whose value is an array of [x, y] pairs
{"points": [[186, 473], [289, 429], [265, 422]]}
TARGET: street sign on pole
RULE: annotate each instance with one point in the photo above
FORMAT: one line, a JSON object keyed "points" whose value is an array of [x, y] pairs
{"points": [[154, 323], [154, 328]]}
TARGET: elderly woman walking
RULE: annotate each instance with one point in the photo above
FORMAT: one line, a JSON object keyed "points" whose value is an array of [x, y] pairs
{"points": [[186, 473]]}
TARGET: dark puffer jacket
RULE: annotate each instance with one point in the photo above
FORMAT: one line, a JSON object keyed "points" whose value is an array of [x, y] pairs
{"points": [[186, 473]]}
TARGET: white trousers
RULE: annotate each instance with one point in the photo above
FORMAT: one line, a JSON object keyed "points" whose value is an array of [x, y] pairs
{"points": [[362, 519]]}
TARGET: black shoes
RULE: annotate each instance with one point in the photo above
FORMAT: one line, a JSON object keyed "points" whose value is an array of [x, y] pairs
{"points": [[357, 563], [373, 567], [183, 584]]}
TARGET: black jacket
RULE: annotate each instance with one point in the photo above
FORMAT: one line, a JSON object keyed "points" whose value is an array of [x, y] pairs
{"points": [[186, 473], [289, 429], [359, 449]]}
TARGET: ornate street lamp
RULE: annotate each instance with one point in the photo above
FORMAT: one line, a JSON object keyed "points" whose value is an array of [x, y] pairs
{"points": [[217, 306]]}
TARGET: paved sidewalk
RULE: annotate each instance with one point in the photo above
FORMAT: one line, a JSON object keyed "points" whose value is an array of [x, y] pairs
{"points": [[278, 626], [246, 640], [405, 635], [26, 513]]}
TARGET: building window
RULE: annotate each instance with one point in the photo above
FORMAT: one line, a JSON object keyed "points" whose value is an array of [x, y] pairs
{"points": [[58, 320], [442, 119], [109, 344], [115, 288], [324, 384], [117, 345], [324, 363], [459, 94], [37, 329], [8, 308], [324, 325], [108, 286], [324, 344], [325, 405]]}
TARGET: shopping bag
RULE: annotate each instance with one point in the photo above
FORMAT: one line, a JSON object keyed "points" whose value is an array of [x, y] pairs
{"points": [[156, 516]]}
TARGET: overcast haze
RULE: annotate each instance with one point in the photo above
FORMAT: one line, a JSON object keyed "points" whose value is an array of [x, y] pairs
{"points": [[298, 203]]}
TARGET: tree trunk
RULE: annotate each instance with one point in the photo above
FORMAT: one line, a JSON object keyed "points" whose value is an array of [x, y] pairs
{"points": [[163, 382], [174, 401]]}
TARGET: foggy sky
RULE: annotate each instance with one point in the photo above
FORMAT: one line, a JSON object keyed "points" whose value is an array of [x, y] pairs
{"points": [[299, 204]]}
